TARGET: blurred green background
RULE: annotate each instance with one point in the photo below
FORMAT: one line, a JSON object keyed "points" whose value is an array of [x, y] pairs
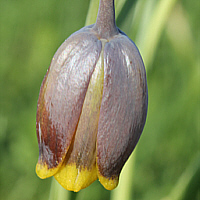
{"points": [[167, 34]]}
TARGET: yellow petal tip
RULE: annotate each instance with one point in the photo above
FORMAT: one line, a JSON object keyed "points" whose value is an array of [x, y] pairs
{"points": [[43, 171], [74, 179], [108, 183]]}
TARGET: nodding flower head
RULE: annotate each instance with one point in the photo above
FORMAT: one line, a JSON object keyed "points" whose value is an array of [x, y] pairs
{"points": [[92, 105]]}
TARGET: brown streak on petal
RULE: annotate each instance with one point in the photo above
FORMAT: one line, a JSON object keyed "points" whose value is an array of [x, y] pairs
{"points": [[62, 95]]}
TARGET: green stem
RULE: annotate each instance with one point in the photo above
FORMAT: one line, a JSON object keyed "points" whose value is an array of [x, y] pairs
{"points": [[187, 185], [92, 12], [124, 189], [148, 41], [57, 192]]}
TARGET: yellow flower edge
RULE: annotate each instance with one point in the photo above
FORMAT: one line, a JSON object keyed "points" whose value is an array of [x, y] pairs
{"points": [[108, 183], [43, 171], [74, 179]]}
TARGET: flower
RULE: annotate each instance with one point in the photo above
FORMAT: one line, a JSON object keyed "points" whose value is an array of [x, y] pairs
{"points": [[92, 105]]}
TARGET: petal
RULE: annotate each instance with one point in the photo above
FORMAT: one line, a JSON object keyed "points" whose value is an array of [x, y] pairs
{"points": [[123, 108], [61, 98], [79, 169]]}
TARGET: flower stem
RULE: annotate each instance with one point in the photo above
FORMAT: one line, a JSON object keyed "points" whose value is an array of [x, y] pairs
{"points": [[105, 23], [57, 192], [125, 187], [187, 185]]}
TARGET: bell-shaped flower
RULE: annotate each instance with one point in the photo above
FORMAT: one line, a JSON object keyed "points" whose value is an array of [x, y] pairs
{"points": [[92, 105]]}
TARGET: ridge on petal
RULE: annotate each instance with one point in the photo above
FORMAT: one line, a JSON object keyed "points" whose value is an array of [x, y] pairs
{"points": [[79, 169], [123, 109]]}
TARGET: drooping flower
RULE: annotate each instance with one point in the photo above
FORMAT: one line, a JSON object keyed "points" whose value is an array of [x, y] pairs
{"points": [[92, 105]]}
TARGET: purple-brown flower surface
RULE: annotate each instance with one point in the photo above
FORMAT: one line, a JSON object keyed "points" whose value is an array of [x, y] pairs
{"points": [[92, 105]]}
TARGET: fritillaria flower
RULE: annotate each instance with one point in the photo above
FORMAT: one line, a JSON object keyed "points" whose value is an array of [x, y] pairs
{"points": [[92, 105]]}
